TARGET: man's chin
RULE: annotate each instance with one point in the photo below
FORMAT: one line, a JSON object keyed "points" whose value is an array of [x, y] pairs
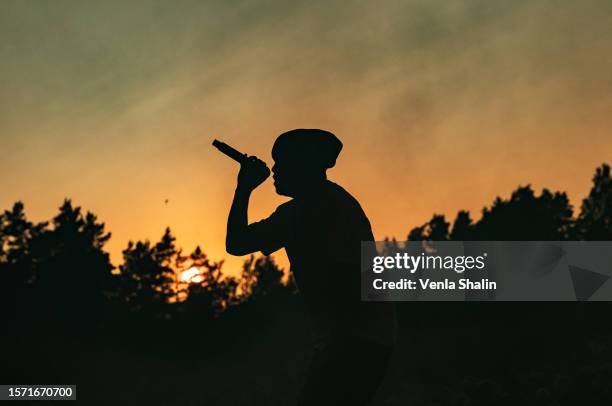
{"points": [[281, 191]]}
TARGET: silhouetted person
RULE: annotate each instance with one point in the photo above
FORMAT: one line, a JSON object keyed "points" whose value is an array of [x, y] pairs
{"points": [[321, 229]]}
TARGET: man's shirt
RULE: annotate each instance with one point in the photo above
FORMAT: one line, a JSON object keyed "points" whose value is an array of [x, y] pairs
{"points": [[322, 236]]}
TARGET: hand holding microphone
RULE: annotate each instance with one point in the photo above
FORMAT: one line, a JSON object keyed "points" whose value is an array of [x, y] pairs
{"points": [[253, 171]]}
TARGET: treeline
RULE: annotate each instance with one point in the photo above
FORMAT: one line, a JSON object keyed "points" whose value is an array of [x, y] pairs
{"points": [[526, 216], [58, 271]]}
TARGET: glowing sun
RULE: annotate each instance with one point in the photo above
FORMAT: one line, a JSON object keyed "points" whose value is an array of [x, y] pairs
{"points": [[192, 275]]}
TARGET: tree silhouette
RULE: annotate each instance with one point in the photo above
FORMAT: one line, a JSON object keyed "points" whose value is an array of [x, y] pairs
{"points": [[462, 227], [417, 234], [390, 247], [16, 236], [211, 292], [148, 277], [73, 272], [436, 229], [595, 220], [525, 216], [18, 262], [261, 277], [522, 217]]}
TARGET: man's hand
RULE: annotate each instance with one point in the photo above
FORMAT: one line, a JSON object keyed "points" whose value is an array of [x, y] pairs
{"points": [[253, 172]]}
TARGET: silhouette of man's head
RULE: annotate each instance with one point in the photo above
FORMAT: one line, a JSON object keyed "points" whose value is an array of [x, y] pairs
{"points": [[301, 159]]}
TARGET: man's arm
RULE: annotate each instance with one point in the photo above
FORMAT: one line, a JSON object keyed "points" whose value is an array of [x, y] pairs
{"points": [[238, 241]]}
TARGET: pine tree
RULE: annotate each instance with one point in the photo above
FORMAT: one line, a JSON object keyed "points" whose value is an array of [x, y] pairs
{"points": [[595, 220]]}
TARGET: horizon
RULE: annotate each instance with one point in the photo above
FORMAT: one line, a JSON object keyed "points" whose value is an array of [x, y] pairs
{"points": [[280, 257]]}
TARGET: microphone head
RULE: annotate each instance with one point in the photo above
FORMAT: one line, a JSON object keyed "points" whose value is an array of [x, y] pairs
{"points": [[229, 151]]}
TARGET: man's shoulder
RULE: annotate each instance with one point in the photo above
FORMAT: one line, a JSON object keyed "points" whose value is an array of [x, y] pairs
{"points": [[286, 208], [348, 210], [342, 197]]}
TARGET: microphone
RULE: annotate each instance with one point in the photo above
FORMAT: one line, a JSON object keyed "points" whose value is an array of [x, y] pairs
{"points": [[229, 151]]}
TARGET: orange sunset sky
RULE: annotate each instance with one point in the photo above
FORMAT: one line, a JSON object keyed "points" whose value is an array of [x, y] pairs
{"points": [[441, 105]]}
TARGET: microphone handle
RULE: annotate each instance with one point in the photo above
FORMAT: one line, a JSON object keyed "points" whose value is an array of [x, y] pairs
{"points": [[229, 151]]}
